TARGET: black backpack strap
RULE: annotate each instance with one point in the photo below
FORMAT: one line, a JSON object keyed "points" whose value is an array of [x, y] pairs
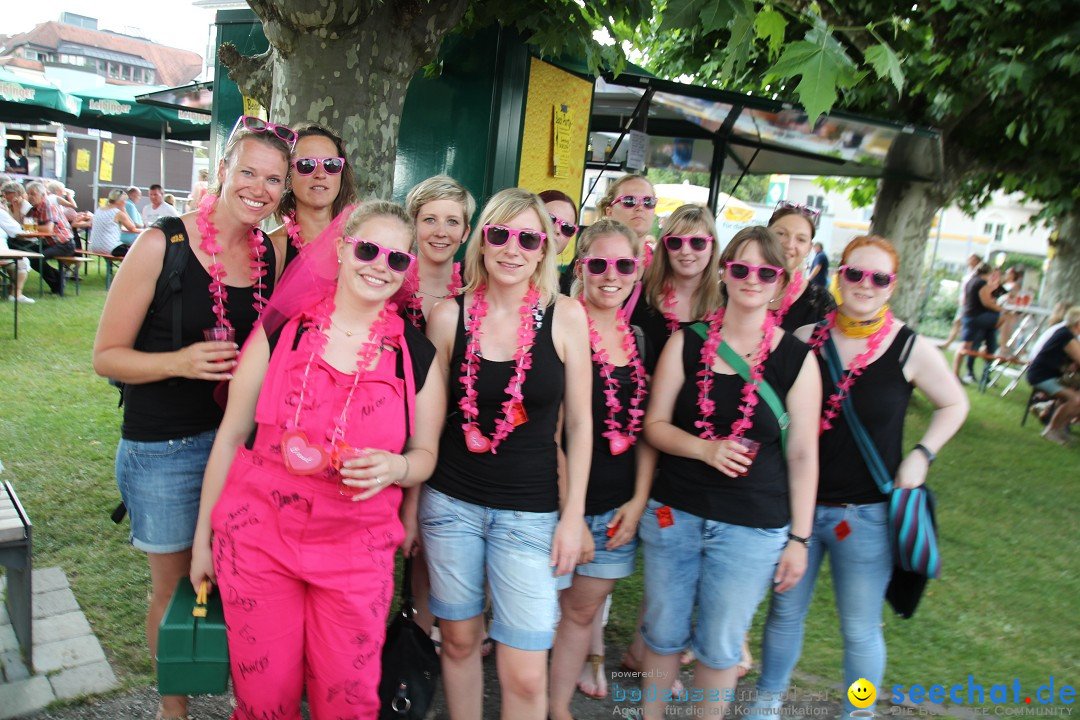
{"points": [[177, 249]]}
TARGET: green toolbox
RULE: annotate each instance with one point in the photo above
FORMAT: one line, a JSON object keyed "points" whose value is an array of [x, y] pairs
{"points": [[193, 650]]}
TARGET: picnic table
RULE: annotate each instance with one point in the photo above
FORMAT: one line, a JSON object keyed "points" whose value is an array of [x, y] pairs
{"points": [[39, 238], [16, 255]]}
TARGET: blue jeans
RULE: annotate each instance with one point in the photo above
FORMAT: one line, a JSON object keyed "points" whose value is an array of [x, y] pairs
{"points": [[861, 566], [721, 569], [463, 540], [980, 330]]}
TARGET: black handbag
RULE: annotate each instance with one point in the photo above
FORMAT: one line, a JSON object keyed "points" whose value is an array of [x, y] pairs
{"points": [[410, 665]]}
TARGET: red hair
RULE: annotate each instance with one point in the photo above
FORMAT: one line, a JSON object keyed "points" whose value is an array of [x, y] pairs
{"points": [[875, 241]]}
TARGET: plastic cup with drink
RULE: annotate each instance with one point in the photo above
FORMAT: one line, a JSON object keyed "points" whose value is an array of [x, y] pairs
{"points": [[749, 449], [343, 454]]}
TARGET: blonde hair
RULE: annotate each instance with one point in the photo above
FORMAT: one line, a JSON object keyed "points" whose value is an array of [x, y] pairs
{"points": [[771, 249], [240, 135], [439, 187], [55, 187], [501, 208], [658, 275], [379, 208], [1072, 316], [613, 189], [115, 195], [602, 228]]}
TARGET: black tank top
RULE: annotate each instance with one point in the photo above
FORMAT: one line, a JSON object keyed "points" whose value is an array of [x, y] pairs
{"points": [[611, 477], [523, 474], [760, 499], [881, 396], [812, 306], [180, 407], [973, 305]]}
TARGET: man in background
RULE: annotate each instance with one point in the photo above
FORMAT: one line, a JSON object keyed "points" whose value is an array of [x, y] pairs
{"points": [[158, 207]]}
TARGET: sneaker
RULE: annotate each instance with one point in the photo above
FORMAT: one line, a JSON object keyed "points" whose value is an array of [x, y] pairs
{"points": [[968, 379], [22, 298], [1058, 435]]}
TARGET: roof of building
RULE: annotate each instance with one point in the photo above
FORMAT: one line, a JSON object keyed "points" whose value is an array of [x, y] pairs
{"points": [[174, 66]]}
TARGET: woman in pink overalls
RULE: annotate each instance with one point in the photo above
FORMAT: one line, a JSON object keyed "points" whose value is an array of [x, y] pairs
{"points": [[336, 405]]}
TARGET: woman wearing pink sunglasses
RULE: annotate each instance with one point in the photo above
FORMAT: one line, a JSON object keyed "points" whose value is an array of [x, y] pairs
{"points": [[800, 302], [335, 408], [321, 185]]}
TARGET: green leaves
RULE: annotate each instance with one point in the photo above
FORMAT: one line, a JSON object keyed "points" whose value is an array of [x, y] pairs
{"points": [[770, 25], [886, 65], [684, 14], [822, 66]]}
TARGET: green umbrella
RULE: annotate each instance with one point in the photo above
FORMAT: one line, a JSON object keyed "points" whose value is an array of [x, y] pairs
{"points": [[116, 109], [34, 101]]}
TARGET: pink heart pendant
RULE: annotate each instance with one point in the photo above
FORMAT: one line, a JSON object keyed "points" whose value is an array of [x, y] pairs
{"points": [[619, 444], [476, 441], [300, 456]]}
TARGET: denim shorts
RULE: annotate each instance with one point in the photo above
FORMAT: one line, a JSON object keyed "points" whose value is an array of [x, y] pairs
{"points": [[607, 564], [1050, 386], [462, 540], [161, 483], [721, 569]]}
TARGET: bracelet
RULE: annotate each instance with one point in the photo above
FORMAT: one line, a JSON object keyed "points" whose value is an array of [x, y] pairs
{"points": [[804, 541], [398, 482], [926, 451]]}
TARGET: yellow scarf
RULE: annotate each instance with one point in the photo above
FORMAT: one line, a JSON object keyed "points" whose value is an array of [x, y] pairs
{"points": [[853, 328]]}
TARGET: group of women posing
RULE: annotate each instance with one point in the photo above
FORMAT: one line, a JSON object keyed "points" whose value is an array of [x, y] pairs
{"points": [[551, 431]]}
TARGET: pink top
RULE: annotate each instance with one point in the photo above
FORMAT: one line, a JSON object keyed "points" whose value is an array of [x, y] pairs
{"points": [[376, 416]]}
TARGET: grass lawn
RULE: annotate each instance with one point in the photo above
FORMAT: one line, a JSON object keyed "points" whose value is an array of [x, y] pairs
{"points": [[1005, 607]]}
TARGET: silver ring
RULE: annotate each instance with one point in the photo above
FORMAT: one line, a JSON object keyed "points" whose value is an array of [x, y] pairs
{"points": [[378, 480]]}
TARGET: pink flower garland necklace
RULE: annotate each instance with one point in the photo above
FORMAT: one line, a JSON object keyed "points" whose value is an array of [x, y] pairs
{"points": [[668, 311], [789, 297], [292, 229], [513, 408], [300, 456], [210, 246], [855, 369], [619, 441], [706, 405], [415, 303]]}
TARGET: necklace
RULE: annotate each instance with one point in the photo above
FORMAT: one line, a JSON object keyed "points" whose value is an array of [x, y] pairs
{"points": [[858, 364], [348, 333], [789, 296], [749, 399], [513, 408], [300, 456], [292, 229], [669, 310], [209, 245], [619, 441], [415, 305]]}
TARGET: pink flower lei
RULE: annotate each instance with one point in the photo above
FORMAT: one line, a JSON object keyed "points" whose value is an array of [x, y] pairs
{"points": [[210, 246], [855, 369], [415, 304], [513, 408], [314, 342], [706, 405], [668, 311], [618, 440], [789, 297], [292, 229]]}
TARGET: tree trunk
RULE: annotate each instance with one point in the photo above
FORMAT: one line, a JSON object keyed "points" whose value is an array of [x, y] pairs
{"points": [[1063, 274], [347, 65]]}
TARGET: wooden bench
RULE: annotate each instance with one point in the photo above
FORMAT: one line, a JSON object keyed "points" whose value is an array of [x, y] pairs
{"points": [[15, 546], [73, 262], [110, 260]]}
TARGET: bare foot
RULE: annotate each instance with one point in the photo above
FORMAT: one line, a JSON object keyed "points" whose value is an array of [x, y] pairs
{"points": [[746, 663], [593, 680]]}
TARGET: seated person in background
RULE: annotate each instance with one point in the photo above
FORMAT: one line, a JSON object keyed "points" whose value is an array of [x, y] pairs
{"points": [[158, 207], [131, 209], [65, 198], [169, 199], [17, 269], [1058, 354], [15, 200], [105, 235], [50, 219]]}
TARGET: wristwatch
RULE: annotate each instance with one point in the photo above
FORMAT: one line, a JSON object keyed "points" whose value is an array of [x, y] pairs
{"points": [[926, 451], [804, 541]]}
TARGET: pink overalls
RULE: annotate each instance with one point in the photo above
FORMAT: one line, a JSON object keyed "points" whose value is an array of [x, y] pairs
{"points": [[306, 574]]}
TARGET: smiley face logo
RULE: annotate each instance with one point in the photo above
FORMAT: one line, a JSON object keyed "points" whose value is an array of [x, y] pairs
{"points": [[862, 693]]}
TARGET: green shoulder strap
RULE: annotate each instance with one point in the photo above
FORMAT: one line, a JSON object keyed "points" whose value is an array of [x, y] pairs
{"points": [[765, 390]]}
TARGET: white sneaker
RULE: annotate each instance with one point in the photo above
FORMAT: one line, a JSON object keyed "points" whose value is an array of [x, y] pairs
{"points": [[22, 298]]}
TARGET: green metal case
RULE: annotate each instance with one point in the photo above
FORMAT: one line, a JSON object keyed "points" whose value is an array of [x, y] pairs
{"points": [[193, 652]]}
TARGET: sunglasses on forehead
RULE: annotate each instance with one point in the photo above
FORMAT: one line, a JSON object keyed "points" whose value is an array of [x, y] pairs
{"points": [[631, 201], [810, 213], [498, 236], [766, 273], [306, 166], [367, 251], [253, 124], [698, 243], [855, 275], [564, 227], [599, 265]]}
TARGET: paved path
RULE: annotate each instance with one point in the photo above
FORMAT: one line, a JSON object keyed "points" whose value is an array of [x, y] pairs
{"points": [[68, 659]]}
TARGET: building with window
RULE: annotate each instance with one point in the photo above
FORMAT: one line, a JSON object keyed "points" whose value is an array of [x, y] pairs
{"points": [[75, 41]]}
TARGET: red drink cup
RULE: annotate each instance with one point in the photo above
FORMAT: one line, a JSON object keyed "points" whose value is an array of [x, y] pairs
{"points": [[219, 333], [749, 448], [347, 452]]}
